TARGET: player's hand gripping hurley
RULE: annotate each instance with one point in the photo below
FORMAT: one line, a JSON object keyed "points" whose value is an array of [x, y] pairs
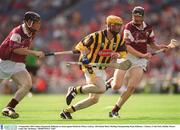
{"points": [[172, 45]]}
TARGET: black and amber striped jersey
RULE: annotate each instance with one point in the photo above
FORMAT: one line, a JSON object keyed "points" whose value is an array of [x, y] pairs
{"points": [[100, 47]]}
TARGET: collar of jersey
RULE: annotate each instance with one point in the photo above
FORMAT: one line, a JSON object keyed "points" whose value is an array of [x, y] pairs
{"points": [[106, 36], [144, 26]]}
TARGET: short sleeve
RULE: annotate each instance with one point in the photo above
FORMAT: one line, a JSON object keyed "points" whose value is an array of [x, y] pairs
{"points": [[15, 41], [128, 37]]}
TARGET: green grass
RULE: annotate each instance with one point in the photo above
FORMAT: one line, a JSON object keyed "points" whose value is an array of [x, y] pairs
{"points": [[140, 109]]}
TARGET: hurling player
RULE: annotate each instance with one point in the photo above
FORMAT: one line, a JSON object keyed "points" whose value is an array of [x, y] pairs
{"points": [[138, 35], [98, 47], [13, 51]]}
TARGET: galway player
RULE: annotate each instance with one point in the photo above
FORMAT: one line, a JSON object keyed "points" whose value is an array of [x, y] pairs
{"points": [[138, 35], [13, 51]]}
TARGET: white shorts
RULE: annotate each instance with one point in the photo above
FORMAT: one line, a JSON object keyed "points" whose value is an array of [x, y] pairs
{"points": [[141, 62], [8, 68], [97, 73]]}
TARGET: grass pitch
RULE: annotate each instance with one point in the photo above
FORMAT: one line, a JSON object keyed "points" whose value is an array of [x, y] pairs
{"points": [[139, 109]]}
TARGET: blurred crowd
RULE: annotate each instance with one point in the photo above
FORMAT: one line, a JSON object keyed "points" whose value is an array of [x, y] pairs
{"points": [[66, 22]]}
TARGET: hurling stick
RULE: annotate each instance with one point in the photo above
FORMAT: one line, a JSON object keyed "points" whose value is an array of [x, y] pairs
{"points": [[123, 65], [172, 45], [61, 53]]}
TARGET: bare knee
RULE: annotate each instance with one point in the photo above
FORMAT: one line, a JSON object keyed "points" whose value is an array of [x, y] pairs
{"points": [[131, 89], [94, 99], [27, 84], [116, 86], [102, 90]]}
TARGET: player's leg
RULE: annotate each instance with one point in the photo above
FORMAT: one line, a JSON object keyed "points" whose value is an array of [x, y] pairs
{"points": [[118, 78], [95, 80], [91, 100], [24, 82], [84, 89], [98, 83], [97, 87], [135, 76], [1, 76], [95, 84]]}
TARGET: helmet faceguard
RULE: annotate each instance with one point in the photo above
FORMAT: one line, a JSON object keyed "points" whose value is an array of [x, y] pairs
{"points": [[138, 15], [32, 17]]}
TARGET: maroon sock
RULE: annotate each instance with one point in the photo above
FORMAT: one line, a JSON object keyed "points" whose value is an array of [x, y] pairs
{"points": [[116, 108], [12, 103]]}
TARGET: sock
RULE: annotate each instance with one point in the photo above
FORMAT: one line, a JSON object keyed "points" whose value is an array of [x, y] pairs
{"points": [[12, 103], [116, 108], [79, 90], [108, 85], [70, 109]]}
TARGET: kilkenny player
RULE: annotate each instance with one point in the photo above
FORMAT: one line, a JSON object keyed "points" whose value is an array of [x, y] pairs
{"points": [[98, 47]]}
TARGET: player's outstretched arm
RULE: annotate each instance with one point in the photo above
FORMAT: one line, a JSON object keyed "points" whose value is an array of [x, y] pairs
{"points": [[26, 51], [164, 48]]}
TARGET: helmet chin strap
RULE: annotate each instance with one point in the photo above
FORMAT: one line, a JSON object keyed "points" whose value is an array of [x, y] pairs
{"points": [[138, 25], [29, 27]]}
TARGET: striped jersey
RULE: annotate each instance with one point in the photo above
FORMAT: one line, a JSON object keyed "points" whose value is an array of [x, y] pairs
{"points": [[100, 47]]}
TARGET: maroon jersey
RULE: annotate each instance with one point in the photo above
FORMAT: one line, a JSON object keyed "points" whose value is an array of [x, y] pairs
{"points": [[138, 38], [17, 38]]}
